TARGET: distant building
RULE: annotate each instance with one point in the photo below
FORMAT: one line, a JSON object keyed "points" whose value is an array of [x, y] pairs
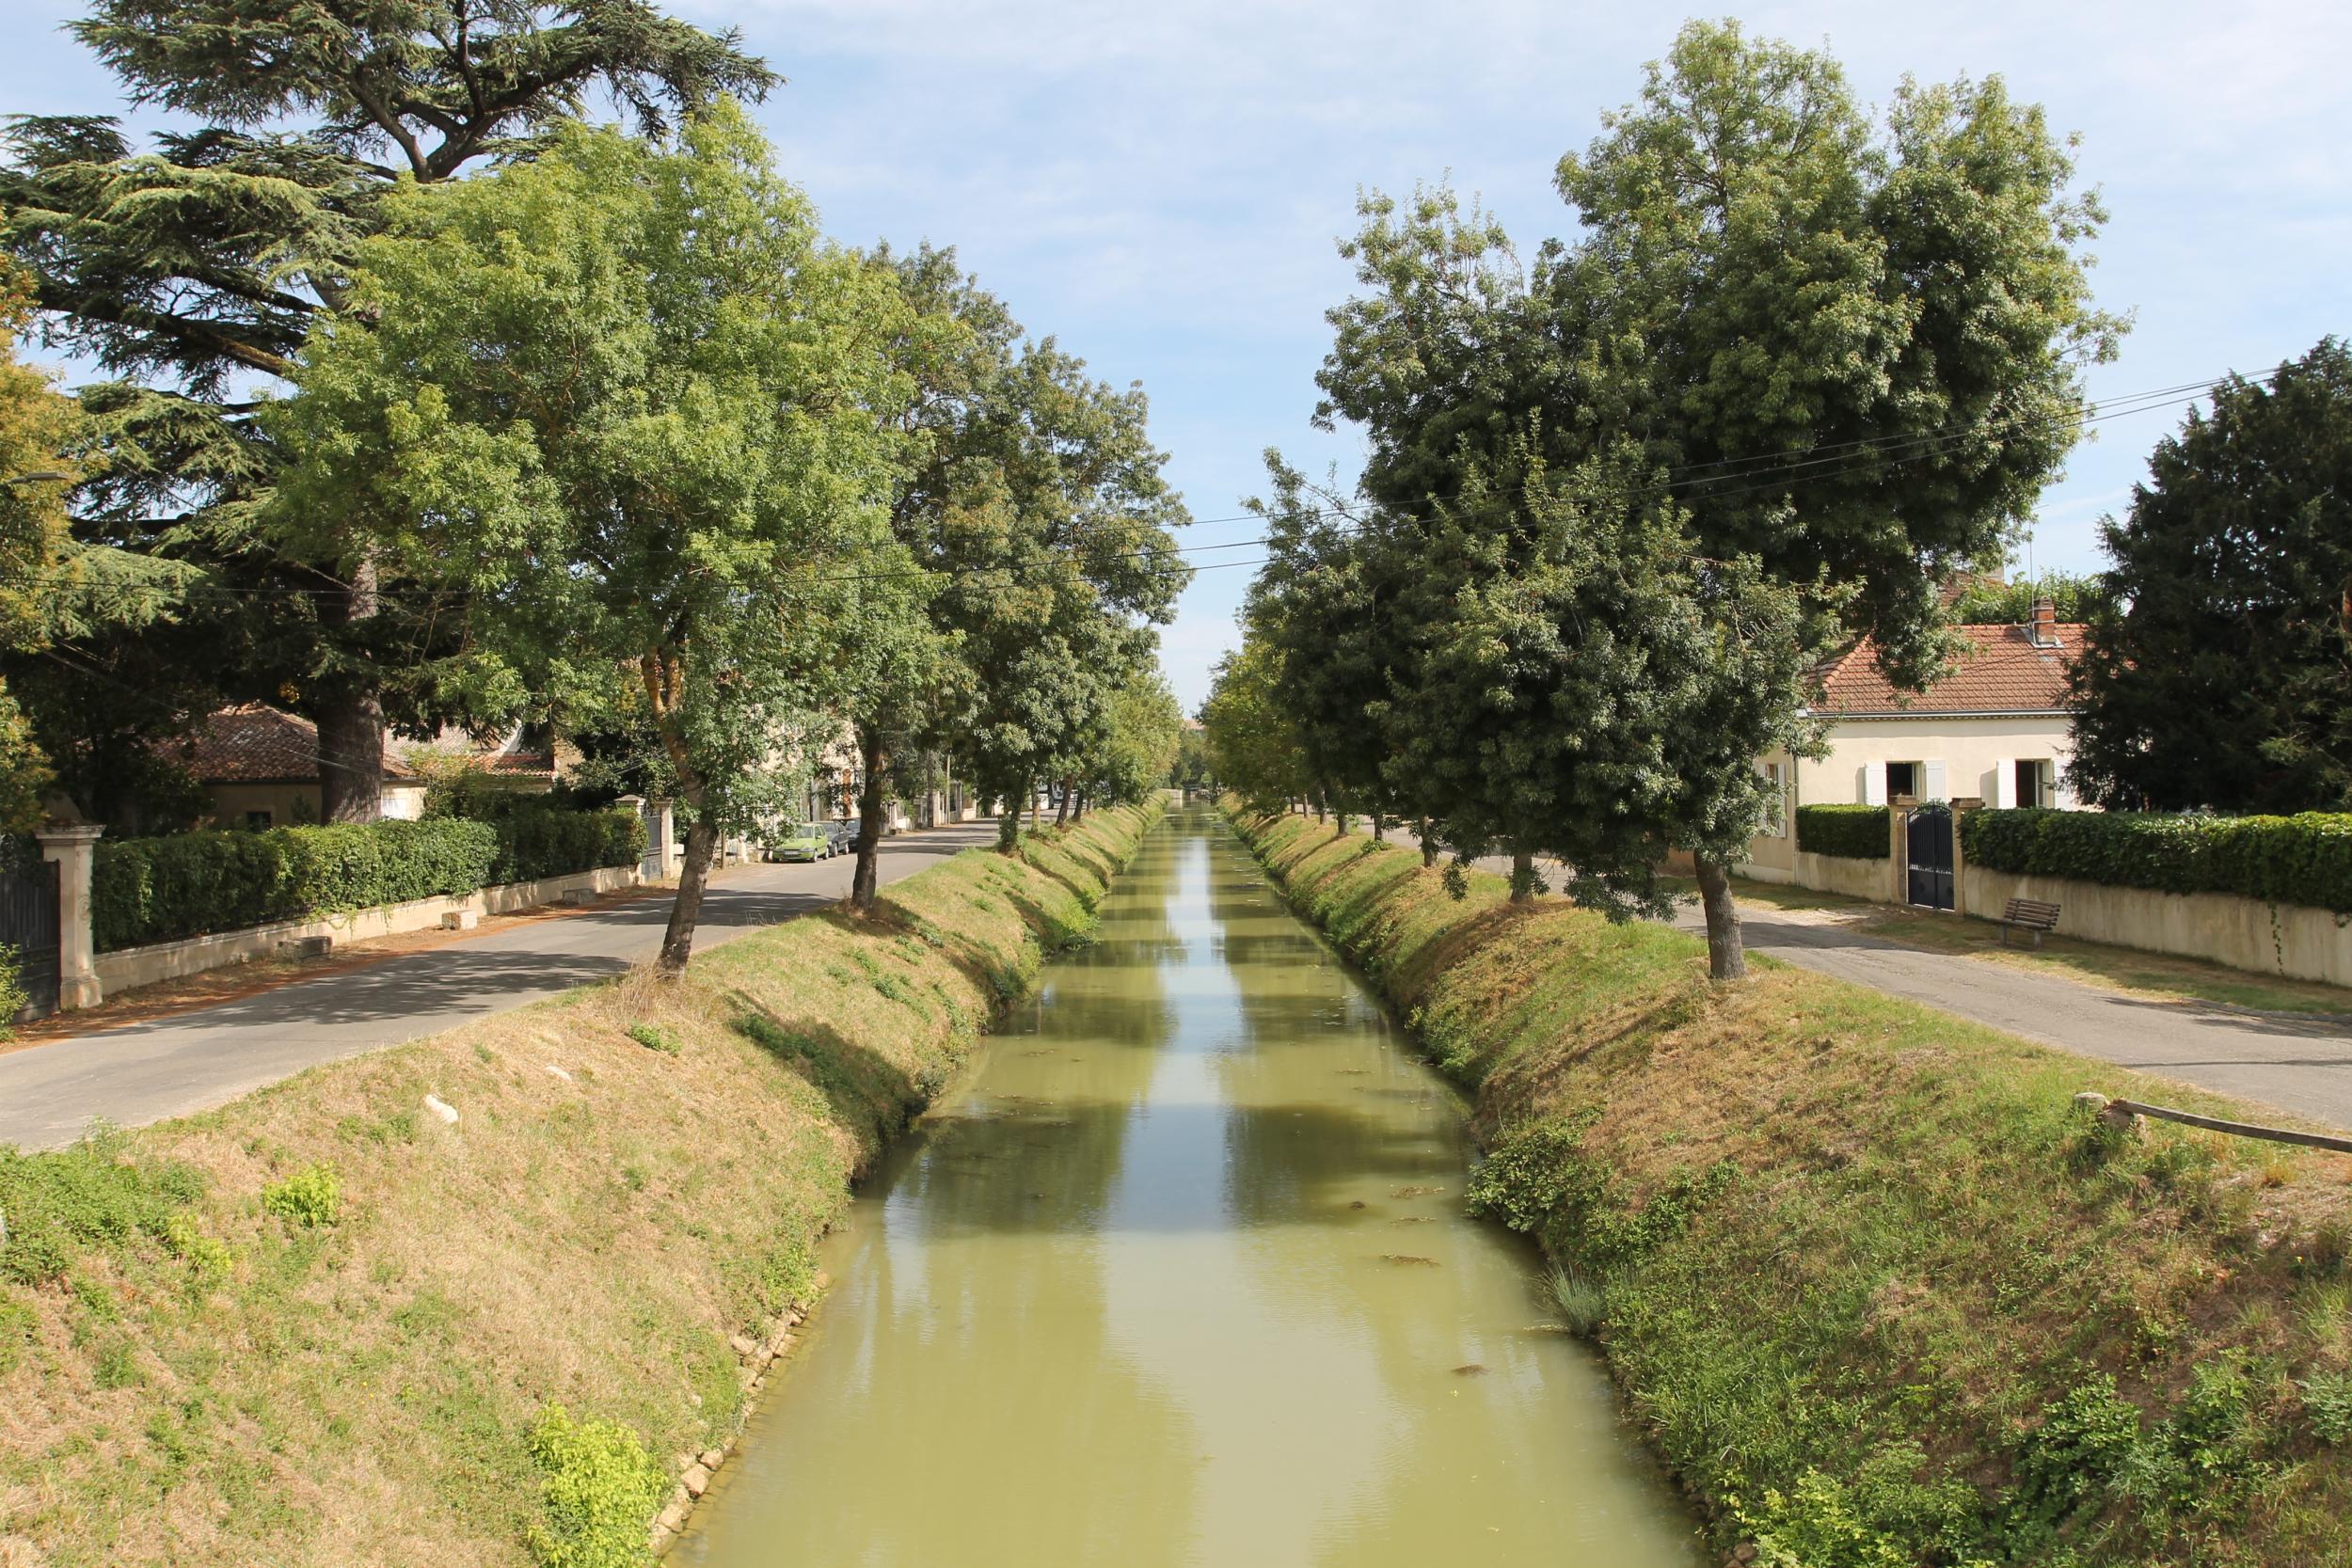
{"points": [[260, 769], [1998, 727]]}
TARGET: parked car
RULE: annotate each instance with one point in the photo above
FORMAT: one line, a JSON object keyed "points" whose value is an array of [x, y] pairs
{"points": [[844, 837], [812, 843]]}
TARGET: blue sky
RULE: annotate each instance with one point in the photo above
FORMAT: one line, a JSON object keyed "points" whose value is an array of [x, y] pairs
{"points": [[1160, 187]]}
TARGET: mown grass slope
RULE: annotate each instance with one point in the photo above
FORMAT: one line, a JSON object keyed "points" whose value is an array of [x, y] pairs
{"points": [[1876, 1289], [324, 1326]]}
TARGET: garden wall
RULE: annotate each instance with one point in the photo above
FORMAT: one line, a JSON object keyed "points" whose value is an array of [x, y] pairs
{"points": [[2293, 940], [128, 968]]}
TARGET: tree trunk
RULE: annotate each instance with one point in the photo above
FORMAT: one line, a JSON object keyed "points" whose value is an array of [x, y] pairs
{"points": [[871, 803], [350, 715], [1318, 808], [1379, 828], [1428, 844], [1037, 806], [1523, 876], [678, 942], [1726, 955], [1079, 813], [1008, 826], [1061, 812]]}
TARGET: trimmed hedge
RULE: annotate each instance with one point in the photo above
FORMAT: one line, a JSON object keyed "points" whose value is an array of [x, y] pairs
{"points": [[2282, 860], [1850, 833], [537, 839], [145, 890]]}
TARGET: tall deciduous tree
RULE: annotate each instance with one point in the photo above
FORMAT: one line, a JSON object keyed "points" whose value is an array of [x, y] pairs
{"points": [[1328, 603], [955, 345], [1252, 739], [627, 403], [1853, 352], [1053, 568], [195, 273], [2220, 669]]}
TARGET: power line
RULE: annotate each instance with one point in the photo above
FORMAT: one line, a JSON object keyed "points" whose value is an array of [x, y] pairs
{"points": [[1898, 452]]}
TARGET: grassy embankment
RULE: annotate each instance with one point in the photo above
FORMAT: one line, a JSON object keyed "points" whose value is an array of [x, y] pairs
{"points": [[324, 1326], [1875, 1287]]}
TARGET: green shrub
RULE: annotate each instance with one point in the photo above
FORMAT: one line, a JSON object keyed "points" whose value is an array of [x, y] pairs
{"points": [[654, 1037], [600, 1491], [82, 1197], [2328, 1405], [539, 836], [2285, 860], [311, 1197], [2084, 1440], [1531, 1171], [12, 994], [1881, 1517], [208, 1257], [1850, 833], [145, 890]]}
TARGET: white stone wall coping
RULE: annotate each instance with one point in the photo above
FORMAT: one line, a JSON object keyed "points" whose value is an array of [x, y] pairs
{"points": [[129, 968]]}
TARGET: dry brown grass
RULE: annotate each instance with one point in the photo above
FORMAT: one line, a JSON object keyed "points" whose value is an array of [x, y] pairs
{"points": [[357, 1393]]}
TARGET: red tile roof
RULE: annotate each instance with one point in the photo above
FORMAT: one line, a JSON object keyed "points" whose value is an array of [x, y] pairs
{"points": [[535, 764], [2000, 671], [255, 743]]}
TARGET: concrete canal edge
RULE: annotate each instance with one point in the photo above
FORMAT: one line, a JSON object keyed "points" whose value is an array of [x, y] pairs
{"points": [[499, 1296], [1870, 1282]]}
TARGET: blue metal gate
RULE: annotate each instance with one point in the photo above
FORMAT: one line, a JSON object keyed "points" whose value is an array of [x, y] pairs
{"points": [[1928, 835]]}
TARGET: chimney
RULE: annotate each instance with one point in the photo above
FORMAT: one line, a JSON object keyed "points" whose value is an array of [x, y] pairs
{"points": [[2044, 632]]}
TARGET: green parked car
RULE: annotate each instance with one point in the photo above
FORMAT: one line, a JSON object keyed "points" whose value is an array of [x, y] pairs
{"points": [[805, 844]]}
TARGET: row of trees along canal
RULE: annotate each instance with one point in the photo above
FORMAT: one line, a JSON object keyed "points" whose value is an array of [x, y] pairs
{"points": [[1795, 369], [603, 435]]}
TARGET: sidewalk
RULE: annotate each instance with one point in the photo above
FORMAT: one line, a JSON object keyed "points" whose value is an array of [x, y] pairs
{"points": [[189, 1061]]}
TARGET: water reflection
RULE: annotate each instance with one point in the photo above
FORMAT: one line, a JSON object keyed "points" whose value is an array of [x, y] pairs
{"points": [[1180, 1277]]}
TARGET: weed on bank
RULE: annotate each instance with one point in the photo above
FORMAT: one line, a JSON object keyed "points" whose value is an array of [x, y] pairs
{"points": [[1875, 1287]]}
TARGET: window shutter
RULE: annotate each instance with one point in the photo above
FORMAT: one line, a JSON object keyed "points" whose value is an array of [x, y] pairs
{"points": [[1874, 783], [2005, 782], [1931, 786], [2062, 790]]}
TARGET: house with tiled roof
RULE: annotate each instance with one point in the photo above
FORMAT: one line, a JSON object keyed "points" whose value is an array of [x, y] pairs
{"points": [[1997, 726], [260, 769]]}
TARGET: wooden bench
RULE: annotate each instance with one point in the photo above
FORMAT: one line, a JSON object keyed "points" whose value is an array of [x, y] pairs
{"points": [[2028, 915]]}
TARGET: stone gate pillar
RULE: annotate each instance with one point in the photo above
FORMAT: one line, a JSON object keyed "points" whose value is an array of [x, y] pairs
{"points": [[72, 847]]}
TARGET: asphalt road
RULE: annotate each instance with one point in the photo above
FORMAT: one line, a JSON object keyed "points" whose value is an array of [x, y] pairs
{"points": [[2300, 1062], [143, 1072]]}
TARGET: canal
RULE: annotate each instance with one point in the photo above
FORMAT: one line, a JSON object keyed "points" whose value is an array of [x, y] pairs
{"points": [[1180, 1276]]}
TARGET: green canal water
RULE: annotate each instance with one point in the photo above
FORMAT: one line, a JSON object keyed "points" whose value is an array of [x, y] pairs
{"points": [[1180, 1276]]}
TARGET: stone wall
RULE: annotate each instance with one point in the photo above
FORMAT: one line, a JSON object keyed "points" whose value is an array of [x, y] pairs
{"points": [[2245, 933], [128, 968]]}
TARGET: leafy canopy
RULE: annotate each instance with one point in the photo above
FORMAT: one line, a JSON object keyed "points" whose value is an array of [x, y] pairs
{"points": [[625, 403], [2219, 667]]}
